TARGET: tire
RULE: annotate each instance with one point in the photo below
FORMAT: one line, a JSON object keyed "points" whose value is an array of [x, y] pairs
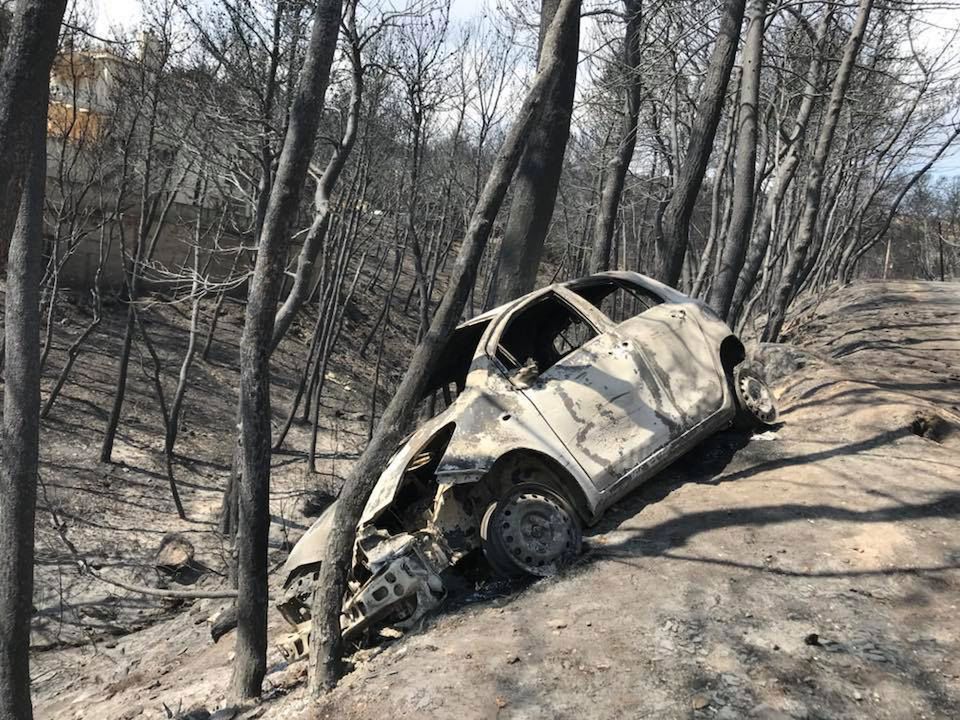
{"points": [[756, 405], [531, 530]]}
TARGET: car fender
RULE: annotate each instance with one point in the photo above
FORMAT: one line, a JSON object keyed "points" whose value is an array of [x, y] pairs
{"points": [[491, 426], [309, 548]]}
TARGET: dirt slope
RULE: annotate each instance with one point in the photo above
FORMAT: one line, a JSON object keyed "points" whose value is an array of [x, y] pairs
{"points": [[808, 573]]}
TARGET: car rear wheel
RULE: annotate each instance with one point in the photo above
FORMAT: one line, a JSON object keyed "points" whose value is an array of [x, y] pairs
{"points": [[531, 530], [756, 406]]}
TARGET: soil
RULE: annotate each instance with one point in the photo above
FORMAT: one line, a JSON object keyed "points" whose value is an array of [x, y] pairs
{"points": [[811, 571]]}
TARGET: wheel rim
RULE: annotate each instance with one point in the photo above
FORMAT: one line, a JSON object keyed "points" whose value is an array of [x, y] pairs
{"points": [[532, 530], [756, 398], [492, 548]]}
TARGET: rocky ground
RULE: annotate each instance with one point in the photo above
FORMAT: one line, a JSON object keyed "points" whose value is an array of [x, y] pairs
{"points": [[809, 572]]}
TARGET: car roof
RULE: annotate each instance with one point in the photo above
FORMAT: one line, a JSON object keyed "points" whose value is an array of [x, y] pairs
{"points": [[633, 277]]}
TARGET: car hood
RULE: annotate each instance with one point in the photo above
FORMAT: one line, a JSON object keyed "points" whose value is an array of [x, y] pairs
{"points": [[386, 488], [309, 549]]}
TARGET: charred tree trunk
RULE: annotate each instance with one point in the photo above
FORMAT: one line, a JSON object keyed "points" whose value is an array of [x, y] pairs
{"points": [[172, 424], [21, 440], [616, 172], [164, 413], [321, 221], [676, 217], [814, 185], [745, 169], [538, 176], [940, 249], [255, 349], [24, 78], [326, 640], [717, 210], [783, 177], [110, 434]]}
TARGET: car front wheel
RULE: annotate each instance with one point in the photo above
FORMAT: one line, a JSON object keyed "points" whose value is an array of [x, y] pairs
{"points": [[531, 530]]}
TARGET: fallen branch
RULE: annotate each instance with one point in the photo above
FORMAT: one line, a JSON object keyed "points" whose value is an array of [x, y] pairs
{"points": [[160, 592], [225, 622]]}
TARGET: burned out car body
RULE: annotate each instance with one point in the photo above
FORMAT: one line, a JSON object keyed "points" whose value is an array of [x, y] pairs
{"points": [[584, 389]]}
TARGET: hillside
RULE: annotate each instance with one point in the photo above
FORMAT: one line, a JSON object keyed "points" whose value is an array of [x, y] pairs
{"points": [[808, 572]]}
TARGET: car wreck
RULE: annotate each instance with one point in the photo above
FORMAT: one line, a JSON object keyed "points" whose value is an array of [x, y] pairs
{"points": [[543, 413]]}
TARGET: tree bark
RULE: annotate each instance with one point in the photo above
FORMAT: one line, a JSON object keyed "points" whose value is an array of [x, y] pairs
{"points": [[21, 407], [18, 474], [717, 210], [255, 349], [676, 218], [815, 178], [326, 639], [24, 91], [21, 431], [745, 168], [113, 422], [164, 413], [172, 424], [24, 80], [616, 172], [538, 176], [783, 177]]}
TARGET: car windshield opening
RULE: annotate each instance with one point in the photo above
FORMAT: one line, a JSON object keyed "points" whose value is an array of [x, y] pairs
{"points": [[450, 377], [617, 300]]}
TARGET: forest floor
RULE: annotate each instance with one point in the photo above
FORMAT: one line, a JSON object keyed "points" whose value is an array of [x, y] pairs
{"points": [[809, 572]]}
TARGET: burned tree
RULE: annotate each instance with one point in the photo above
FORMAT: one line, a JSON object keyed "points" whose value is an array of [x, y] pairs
{"points": [[538, 175], [306, 261], [785, 169], [734, 248], [616, 171], [327, 643], [814, 185], [24, 94], [677, 214], [255, 348]]}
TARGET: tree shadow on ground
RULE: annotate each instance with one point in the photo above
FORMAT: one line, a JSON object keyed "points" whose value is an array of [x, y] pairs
{"points": [[707, 467]]}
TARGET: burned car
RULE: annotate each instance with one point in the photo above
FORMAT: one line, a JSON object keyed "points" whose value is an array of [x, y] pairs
{"points": [[544, 412]]}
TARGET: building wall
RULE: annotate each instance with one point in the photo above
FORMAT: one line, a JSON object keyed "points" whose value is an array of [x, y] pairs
{"points": [[169, 268], [83, 90]]}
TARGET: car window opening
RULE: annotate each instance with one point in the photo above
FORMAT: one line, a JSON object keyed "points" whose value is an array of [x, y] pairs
{"points": [[541, 335]]}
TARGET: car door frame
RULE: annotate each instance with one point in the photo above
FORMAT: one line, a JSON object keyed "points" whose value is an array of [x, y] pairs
{"points": [[490, 341], [602, 324]]}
